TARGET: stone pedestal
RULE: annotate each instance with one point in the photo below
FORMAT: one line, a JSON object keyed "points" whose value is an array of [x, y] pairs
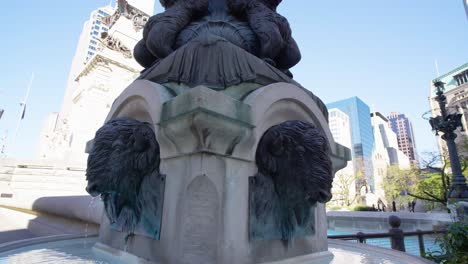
{"points": [[208, 142]]}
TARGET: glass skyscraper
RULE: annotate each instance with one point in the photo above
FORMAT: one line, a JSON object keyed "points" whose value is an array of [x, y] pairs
{"points": [[362, 135], [401, 125]]}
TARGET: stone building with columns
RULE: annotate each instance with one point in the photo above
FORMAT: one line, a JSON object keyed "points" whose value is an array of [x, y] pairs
{"points": [[456, 91], [102, 67]]}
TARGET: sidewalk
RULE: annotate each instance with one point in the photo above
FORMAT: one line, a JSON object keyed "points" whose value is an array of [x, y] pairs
{"points": [[12, 228]]}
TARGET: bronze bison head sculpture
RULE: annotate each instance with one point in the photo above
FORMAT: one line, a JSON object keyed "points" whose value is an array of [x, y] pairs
{"points": [[294, 173], [125, 151]]}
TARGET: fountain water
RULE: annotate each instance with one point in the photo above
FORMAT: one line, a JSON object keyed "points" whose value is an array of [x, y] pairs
{"points": [[90, 206]]}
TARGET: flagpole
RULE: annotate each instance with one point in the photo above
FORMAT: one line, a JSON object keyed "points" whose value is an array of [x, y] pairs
{"points": [[465, 2], [3, 139], [23, 109]]}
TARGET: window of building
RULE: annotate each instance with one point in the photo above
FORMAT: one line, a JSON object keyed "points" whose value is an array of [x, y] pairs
{"points": [[98, 22], [92, 47], [104, 29], [96, 27], [90, 53], [95, 32], [93, 42], [461, 78], [102, 13]]}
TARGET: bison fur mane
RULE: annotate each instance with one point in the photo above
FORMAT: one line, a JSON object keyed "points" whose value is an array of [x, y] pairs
{"points": [[123, 160], [294, 173]]}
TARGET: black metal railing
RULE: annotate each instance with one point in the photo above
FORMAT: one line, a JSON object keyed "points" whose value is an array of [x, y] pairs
{"points": [[391, 240]]}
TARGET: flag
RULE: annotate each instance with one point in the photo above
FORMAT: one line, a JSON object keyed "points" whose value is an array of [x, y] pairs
{"points": [[24, 110], [1, 113]]}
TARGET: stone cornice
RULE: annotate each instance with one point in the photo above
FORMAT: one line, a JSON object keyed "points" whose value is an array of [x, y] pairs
{"points": [[93, 63], [464, 66]]}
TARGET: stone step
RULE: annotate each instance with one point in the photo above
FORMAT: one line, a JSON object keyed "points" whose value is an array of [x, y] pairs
{"points": [[48, 179], [46, 187], [28, 171]]}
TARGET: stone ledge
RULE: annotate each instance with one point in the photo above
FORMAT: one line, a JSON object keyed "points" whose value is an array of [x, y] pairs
{"points": [[203, 99], [201, 120], [382, 254]]}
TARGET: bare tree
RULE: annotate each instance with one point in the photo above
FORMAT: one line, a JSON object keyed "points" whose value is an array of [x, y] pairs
{"points": [[344, 189]]}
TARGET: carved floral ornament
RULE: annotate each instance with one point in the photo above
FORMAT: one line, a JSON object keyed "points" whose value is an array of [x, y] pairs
{"points": [[115, 44], [139, 18]]}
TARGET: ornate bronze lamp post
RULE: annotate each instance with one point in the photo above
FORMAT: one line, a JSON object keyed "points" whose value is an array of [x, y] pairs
{"points": [[447, 124]]}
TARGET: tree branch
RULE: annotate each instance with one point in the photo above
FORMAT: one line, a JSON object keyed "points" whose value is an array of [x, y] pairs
{"points": [[434, 168], [426, 199], [433, 196]]}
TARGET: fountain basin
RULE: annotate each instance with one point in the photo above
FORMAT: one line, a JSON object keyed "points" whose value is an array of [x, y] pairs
{"points": [[78, 249]]}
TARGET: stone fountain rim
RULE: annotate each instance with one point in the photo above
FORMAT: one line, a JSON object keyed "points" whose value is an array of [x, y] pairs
{"points": [[14, 245], [5, 247]]}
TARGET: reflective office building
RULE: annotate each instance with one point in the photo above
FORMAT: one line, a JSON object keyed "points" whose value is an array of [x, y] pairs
{"points": [[362, 137]]}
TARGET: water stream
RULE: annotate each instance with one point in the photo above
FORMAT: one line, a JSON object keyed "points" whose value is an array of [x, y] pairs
{"points": [[90, 207]]}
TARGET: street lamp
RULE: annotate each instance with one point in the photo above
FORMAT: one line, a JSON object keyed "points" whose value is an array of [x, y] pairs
{"points": [[447, 124]]}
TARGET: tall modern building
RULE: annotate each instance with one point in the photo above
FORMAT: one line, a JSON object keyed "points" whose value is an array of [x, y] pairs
{"points": [[456, 91], [87, 47], [362, 137], [102, 67], [384, 133], [403, 128], [340, 128]]}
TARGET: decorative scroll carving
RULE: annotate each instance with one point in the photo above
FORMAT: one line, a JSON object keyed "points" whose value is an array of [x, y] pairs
{"points": [[114, 43], [294, 173], [123, 168]]}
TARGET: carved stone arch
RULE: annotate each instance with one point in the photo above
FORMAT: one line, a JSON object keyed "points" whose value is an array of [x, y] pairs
{"points": [[280, 102], [200, 222], [135, 107], [143, 101], [135, 101]]}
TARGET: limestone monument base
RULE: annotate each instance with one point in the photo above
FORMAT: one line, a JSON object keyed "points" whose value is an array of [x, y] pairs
{"points": [[208, 140]]}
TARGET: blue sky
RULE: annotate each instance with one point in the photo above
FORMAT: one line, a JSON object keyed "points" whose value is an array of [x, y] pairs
{"points": [[381, 51]]}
